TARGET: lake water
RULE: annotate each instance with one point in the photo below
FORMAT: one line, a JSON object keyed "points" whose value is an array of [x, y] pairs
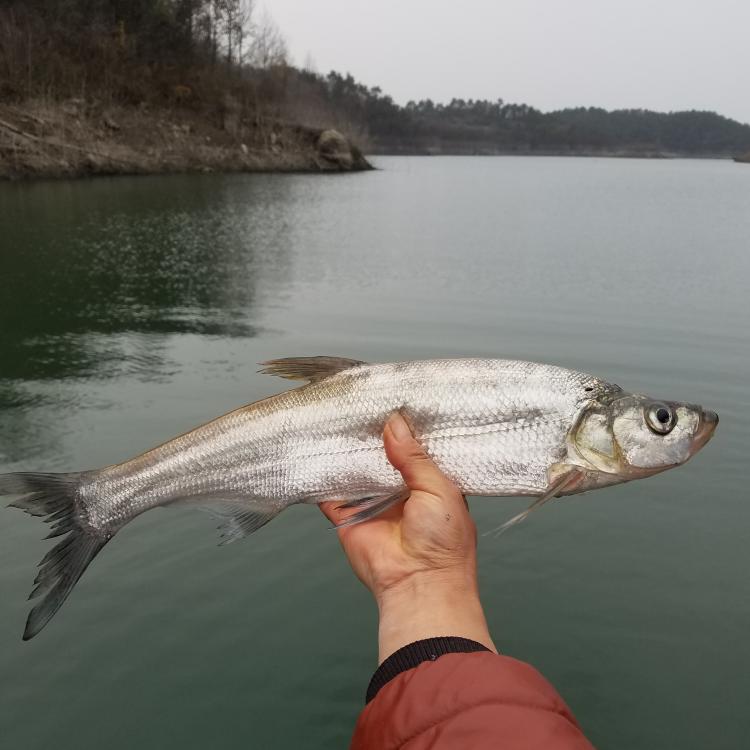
{"points": [[133, 309]]}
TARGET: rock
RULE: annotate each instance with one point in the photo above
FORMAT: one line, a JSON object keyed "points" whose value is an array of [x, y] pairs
{"points": [[92, 163], [335, 148], [108, 122]]}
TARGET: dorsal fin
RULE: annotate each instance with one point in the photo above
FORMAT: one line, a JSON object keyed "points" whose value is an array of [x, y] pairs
{"points": [[311, 369]]}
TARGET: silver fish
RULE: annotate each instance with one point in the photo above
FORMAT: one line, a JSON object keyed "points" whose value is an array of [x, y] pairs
{"points": [[495, 427]]}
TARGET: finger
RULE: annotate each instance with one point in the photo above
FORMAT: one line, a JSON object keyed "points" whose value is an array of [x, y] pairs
{"points": [[408, 457]]}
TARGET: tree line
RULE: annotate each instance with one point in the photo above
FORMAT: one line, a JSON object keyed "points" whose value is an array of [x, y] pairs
{"points": [[467, 126], [132, 51]]}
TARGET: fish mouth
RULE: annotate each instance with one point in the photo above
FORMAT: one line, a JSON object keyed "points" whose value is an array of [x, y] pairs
{"points": [[706, 429]]}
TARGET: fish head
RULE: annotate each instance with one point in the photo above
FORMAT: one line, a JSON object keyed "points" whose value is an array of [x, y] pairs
{"points": [[634, 436]]}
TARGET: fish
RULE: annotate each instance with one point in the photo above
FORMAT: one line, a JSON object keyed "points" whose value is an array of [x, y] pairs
{"points": [[495, 427]]}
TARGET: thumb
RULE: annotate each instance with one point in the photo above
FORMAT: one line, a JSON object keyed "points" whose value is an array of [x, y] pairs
{"points": [[408, 457]]}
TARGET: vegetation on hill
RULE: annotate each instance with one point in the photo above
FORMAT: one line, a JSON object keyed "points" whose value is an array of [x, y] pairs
{"points": [[500, 127], [186, 53], [112, 86]]}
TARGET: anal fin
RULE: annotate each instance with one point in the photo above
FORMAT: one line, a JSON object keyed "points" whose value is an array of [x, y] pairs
{"points": [[238, 518]]}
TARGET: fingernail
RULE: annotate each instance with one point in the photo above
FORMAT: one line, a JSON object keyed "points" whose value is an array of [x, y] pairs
{"points": [[399, 428]]}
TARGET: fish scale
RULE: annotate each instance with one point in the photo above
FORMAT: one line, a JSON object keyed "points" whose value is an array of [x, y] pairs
{"points": [[493, 426], [299, 446]]}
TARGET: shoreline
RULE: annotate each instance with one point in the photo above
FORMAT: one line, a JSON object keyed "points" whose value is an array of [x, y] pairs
{"points": [[583, 153], [76, 138]]}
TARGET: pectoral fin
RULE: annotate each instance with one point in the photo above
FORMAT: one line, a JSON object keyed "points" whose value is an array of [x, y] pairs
{"points": [[371, 506], [563, 477], [311, 369]]}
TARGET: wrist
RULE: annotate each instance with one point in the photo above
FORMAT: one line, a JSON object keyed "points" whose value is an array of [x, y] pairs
{"points": [[431, 604]]}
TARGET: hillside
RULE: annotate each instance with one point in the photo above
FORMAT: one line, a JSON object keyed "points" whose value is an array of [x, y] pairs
{"points": [[110, 86]]}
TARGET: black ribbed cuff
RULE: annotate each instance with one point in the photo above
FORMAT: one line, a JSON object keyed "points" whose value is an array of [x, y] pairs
{"points": [[414, 654]]}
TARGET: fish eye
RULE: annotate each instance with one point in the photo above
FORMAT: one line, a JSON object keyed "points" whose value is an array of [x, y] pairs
{"points": [[660, 418]]}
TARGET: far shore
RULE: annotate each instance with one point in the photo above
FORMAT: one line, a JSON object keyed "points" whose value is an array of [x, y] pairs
{"points": [[621, 153]]}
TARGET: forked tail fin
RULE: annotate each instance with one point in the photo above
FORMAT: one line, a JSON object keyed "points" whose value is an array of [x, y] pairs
{"points": [[52, 497]]}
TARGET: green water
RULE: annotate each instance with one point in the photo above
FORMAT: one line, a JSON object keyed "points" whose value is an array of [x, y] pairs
{"points": [[134, 309]]}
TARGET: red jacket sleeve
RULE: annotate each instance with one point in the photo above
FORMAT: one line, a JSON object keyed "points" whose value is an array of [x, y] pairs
{"points": [[468, 701]]}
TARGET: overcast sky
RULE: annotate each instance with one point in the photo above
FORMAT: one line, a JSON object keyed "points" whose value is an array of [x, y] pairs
{"points": [[658, 54]]}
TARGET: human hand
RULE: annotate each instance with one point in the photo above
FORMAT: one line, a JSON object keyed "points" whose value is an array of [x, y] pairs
{"points": [[418, 558]]}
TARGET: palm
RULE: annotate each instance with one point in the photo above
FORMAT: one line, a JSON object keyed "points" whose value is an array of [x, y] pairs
{"points": [[418, 534]]}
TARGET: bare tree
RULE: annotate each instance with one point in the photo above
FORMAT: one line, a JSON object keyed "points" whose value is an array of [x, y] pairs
{"points": [[268, 48], [244, 26]]}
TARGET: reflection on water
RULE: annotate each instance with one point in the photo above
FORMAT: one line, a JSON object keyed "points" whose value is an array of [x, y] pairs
{"points": [[134, 309], [89, 270]]}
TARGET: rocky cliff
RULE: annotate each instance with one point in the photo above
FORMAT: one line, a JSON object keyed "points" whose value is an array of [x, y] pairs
{"points": [[78, 138]]}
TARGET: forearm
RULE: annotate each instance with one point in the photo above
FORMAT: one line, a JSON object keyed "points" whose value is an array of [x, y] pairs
{"points": [[431, 605]]}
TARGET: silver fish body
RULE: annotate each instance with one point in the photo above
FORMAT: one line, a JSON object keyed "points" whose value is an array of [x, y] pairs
{"points": [[495, 427]]}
